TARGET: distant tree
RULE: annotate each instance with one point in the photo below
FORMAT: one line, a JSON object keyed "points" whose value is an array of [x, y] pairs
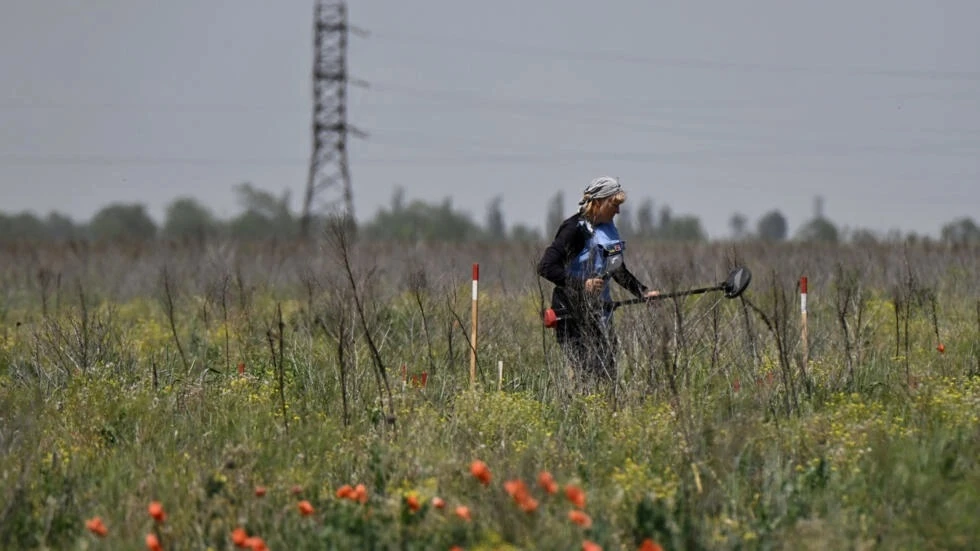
{"points": [[664, 218], [496, 229], [962, 231], [61, 227], [646, 226], [186, 218], [862, 236], [122, 221], [682, 228], [556, 212], [251, 225], [772, 226], [738, 224], [520, 232], [819, 229], [22, 226], [421, 221], [625, 223], [264, 216], [398, 200]]}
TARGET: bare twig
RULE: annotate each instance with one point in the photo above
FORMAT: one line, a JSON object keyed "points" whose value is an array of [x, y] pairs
{"points": [[169, 305]]}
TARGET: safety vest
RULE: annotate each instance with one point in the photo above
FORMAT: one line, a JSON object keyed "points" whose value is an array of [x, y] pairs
{"points": [[597, 256]]}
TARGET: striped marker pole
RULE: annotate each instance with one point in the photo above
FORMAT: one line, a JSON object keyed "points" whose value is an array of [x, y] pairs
{"points": [[473, 324], [804, 333]]}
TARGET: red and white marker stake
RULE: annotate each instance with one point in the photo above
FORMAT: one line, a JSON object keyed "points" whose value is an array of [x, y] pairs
{"points": [[803, 328], [473, 323]]}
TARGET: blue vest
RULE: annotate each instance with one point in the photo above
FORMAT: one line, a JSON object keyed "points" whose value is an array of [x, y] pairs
{"points": [[602, 245]]}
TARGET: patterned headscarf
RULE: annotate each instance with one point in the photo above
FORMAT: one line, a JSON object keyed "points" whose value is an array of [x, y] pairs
{"points": [[600, 188]]}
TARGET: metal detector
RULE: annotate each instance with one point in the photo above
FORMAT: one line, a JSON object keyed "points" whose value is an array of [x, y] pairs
{"points": [[733, 286]]}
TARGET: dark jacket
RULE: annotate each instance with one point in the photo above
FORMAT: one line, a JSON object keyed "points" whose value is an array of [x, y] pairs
{"points": [[569, 241]]}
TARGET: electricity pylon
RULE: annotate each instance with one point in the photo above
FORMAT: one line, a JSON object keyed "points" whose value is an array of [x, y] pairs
{"points": [[328, 184]]}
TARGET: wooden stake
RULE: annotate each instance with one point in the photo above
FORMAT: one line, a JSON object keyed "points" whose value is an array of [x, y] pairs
{"points": [[804, 333], [474, 324]]}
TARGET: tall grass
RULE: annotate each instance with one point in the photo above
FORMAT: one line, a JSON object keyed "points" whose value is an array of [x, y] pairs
{"points": [[191, 375]]}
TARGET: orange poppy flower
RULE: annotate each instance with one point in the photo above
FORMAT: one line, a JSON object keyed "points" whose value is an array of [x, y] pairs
{"points": [[650, 545], [580, 518], [260, 491], [575, 495], [239, 537], [360, 494], [941, 348], [516, 489], [528, 505], [345, 491], [480, 470], [463, 512], [547, 482], [153, 543], [305, 508], [156, 511], [588, 545], [96, 526], [256, 544], [413, 503], [455, 548], [438, 503]]}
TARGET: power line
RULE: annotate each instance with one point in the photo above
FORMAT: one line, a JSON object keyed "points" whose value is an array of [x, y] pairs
{"points": [[453, 43], [15, 159], [154, 107]]}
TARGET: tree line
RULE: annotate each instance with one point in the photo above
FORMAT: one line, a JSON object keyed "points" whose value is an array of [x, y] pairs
{"points": [[267, 216]]}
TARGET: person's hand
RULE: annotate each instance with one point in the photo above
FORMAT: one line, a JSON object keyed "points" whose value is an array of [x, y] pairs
{"points": [[651, 294], [594, 285]]}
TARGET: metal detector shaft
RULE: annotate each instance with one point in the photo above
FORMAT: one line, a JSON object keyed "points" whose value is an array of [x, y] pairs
{"points": [[618, 303]]}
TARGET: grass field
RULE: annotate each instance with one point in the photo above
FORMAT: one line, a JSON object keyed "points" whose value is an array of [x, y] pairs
{"points": [[319, 397]]}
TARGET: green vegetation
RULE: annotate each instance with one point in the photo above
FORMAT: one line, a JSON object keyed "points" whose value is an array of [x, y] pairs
{"points": [[202, 375], [266, 217]]}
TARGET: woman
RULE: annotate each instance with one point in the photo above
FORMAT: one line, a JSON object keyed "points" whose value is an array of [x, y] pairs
{"points": [[587, 251]]}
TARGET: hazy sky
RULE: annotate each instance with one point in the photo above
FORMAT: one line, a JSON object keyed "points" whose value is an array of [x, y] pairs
{"points": [[711, 107]]}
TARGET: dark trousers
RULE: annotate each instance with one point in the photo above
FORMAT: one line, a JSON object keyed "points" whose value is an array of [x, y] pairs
{"points": [[589, 345]]}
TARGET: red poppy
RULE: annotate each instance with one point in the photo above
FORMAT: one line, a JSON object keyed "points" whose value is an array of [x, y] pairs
{"points": [[575, 495], [156, 511], [650, 545], [96, 526], [305, 508], [153, 543], [528, 504], [480, 470], [580, 518], [360, 494], [547, 482], [516, 489], [239, 537]]}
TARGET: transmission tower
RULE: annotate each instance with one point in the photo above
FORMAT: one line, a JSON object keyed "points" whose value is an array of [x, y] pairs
{"points": [[328, 184]]}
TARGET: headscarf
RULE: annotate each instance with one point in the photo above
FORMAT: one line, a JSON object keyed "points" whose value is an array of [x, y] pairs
{"points": [[600, 188]]}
